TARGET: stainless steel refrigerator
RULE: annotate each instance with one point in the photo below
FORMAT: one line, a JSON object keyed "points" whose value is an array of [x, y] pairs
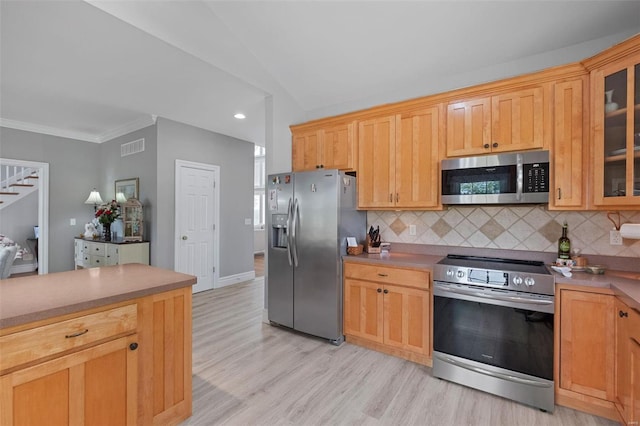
{"points": [[309, 217]]}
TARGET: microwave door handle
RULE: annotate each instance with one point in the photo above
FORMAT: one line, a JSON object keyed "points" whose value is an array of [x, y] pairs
{"points": [[520, 177]]}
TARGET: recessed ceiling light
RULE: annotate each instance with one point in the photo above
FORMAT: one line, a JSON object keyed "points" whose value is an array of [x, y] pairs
{"points": [[240, 116]]}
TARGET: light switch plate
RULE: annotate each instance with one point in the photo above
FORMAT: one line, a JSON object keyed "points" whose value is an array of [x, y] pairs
{"points": [[72, 221]]}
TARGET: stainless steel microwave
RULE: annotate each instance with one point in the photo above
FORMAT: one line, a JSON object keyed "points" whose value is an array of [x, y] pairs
{"points": [[513, 178]]}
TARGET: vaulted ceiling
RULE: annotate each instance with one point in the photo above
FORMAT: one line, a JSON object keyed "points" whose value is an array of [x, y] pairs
{"points": [[93, 70]]}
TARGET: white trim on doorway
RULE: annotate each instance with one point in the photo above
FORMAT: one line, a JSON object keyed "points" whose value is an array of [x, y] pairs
{"points": [[216, 214], [43, 208]]}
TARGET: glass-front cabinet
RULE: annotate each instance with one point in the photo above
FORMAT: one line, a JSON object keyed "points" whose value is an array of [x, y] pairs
{"points": [[616, 132]]}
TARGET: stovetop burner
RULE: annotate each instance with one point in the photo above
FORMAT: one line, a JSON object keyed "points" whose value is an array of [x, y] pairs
{"points": [[496, 263]]}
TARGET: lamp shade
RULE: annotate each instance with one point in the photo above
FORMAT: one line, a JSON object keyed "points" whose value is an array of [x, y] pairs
{"points": [[94, 198], [120, 198]]}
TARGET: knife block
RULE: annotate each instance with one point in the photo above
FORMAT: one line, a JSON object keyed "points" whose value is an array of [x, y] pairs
{"points": [[370, 249]]}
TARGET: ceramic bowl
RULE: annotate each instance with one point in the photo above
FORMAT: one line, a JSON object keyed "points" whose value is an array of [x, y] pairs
{"points": [[595, 269]]}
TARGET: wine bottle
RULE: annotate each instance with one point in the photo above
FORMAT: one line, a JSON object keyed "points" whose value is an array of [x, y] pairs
{"points": [[564, 244]]}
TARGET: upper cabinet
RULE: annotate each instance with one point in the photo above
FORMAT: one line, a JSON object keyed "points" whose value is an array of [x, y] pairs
{"points": [[511, 121], [330, 147], [569, 145], [615, 89], [399, 160]]}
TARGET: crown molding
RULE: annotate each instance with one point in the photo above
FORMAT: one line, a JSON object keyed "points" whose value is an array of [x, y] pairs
{"points": [[138, 124], [47, 130]]}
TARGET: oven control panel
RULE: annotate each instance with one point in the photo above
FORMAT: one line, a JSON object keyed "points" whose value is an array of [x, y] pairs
{"points": [[491, 278]]}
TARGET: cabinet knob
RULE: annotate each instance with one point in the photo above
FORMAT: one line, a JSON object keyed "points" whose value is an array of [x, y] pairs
{"points": [[386, 291], [495, 144], [623, 314], [379, 290], [133, 346], [185, 238], [486, 146]]}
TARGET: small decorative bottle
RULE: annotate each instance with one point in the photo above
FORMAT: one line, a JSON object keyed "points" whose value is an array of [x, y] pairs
{"points": [[564, 244]]}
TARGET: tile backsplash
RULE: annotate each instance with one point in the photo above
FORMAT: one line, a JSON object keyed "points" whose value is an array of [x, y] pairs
{"points": [[529, 228]]}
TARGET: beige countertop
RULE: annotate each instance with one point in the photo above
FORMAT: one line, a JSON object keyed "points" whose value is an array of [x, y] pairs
{"points": [[625, 285], [34, 298]]}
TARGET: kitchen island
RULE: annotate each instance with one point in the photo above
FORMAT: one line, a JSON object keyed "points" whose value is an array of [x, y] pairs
{"points": [[111, 344]]}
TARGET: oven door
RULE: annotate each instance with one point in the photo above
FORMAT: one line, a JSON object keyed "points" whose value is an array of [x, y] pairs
{"points": [[505, 329]]}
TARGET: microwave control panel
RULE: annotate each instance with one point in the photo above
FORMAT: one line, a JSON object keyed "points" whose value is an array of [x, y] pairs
{"points": [[536, 177]]}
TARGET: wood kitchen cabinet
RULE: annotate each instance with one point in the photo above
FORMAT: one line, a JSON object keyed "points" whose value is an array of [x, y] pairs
{"points": [[52, 375], [569, 147], [512, 121], [329, 147], [388, 309], [585, 346], [627, 388], [122, 364], [399, 160], [615, 94]]}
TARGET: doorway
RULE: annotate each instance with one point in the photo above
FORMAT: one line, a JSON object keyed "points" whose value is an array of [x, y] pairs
{"points": [[42, 170], [197, 202]]}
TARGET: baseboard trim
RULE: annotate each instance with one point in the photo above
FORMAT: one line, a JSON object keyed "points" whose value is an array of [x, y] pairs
{"points": [[236, 278], [265, 316]]}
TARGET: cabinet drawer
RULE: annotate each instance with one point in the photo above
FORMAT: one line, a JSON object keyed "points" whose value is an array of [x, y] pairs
{"points": [[48, 340], [97, 249], [387, 274], [98, 260]]}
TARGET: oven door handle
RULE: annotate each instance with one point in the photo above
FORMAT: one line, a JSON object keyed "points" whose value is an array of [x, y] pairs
{"points": [[493, 296], [503, 376]]}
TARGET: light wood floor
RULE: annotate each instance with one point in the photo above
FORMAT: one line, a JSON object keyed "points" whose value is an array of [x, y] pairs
{"points": [[250, 373]]}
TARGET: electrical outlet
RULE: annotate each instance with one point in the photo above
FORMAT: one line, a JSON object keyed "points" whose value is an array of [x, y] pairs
{"points": [[615, 239], [412, 230]]}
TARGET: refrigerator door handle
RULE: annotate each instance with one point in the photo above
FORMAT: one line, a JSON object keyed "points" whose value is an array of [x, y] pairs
{"points": [[294, 236], [289, 239]]}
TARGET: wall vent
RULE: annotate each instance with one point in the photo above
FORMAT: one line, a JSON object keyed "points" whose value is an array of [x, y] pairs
{"points": [[130, 148]]}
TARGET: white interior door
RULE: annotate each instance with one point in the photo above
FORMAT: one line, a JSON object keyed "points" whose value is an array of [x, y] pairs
{"points": [[197, 207]]}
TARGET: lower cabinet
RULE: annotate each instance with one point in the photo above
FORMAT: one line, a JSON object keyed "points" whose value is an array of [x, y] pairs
{"points": [[95, 386], [627, 387], [586, 359], [388, 309], [124, 364], [91, 254]]}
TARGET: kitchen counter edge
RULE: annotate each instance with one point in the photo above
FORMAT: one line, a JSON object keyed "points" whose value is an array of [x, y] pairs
{"points": [[36, 298]]}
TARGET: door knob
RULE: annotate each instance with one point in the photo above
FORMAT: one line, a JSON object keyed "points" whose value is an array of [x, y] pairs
{"points": [[184, 237]]}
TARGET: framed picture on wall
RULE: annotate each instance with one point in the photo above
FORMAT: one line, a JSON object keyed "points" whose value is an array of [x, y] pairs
{"points": [[128, 188]]}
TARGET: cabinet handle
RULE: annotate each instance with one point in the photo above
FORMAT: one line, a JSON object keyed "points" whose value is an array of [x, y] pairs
{"points": [[559, 193], [397, 197], [79, 333], [133, 346], [486, 146], [386, 291], [383, 275], [623, 314], [495, 144], [379, 290]]}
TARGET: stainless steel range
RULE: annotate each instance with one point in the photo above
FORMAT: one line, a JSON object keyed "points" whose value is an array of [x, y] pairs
{"points": [[493, 327]]}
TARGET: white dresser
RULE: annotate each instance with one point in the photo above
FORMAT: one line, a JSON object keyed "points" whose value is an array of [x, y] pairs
{"points": [[89, 254]]}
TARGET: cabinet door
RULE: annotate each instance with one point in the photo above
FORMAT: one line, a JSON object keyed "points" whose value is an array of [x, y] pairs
{"points": [[635, 379], [406, 318], [165, 351], [363, 309], [568, 146], [623, 359], [517, 120], [586, 342], [616, 122], [469, 127], [111, 256], [305, 150], [93, 386], [417, 159], [376, 162], [338, 147]]}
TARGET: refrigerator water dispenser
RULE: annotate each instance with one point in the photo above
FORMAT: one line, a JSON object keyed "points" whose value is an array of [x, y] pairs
{"points": [[279, 230]]}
